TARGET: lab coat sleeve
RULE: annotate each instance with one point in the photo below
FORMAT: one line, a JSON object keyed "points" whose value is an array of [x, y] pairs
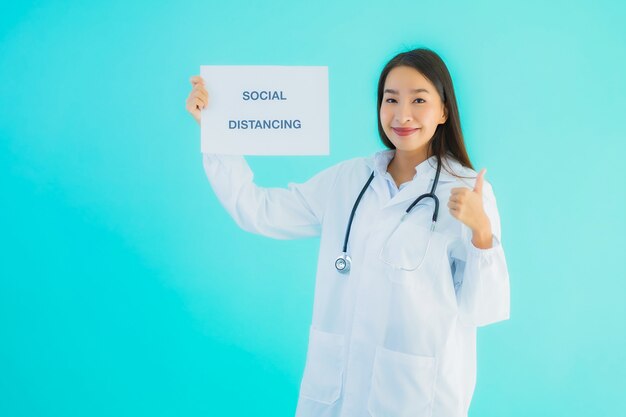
{"points": [[481, 277], [280, 213]]}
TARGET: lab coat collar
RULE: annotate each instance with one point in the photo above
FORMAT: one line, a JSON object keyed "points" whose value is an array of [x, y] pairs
{"points": [[380, 161], [422, 181]]}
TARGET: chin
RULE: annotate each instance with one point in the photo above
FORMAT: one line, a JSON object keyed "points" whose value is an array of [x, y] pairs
{"points": [[408, 147]]}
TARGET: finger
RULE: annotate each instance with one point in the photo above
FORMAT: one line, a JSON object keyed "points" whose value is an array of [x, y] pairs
{"points": [[192, 106], [193, 98], [202, 93], [199, 96], [194, 103], [196, 79], [478, 187], [459, 195], [459, 190], [199, 88], [199, 103], [456, 189]]}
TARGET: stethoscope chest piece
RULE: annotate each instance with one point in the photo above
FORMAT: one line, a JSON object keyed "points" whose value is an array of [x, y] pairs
{"points": [[342, 263]]}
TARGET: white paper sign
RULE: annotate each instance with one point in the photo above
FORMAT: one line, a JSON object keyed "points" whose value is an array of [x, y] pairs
{"points": [[265, 110]]}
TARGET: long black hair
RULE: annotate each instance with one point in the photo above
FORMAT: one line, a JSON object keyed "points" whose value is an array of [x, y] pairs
{"points": [[448, 137]]}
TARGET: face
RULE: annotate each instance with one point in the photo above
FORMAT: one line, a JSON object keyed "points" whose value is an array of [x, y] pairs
{"points": [[411, 110]]}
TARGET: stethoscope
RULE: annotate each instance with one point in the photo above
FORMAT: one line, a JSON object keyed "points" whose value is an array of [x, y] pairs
{"points": [[343, 261]]}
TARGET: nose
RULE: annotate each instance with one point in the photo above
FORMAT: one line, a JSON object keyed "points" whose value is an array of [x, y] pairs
{"points": [[403, 113]]}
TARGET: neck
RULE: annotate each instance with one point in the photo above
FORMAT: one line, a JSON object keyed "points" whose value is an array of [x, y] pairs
{"points": [[406, 161], [402, 165]]}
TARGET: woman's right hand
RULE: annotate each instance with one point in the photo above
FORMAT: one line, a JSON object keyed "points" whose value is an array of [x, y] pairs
{"points": [[198, 98]]}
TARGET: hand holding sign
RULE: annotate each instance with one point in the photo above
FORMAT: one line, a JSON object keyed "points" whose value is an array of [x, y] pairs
{"points": [[466, 205], [198, 98]]}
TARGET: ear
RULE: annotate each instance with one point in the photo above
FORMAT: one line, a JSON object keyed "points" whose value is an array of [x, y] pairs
{"points": [[444, 116]]}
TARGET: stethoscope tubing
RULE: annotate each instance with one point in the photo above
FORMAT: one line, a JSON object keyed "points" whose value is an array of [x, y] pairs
{"points": [[344, 255], [356, 204]]}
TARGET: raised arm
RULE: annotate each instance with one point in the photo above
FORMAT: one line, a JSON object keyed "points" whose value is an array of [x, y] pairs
{"points": [[481, 277], [282, 213]]}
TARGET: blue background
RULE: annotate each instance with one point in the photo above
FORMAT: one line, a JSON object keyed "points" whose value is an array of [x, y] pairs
{"points": [[127, 290]]}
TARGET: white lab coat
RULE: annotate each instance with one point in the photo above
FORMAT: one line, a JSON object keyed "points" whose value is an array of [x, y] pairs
{"points": [[383, 342]]}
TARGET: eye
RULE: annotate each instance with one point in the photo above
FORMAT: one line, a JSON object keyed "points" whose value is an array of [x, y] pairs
{"points": [[423, 101], [392, 100]]}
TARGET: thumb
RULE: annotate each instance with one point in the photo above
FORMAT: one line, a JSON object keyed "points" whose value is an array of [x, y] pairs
{"points": [[478, 187]]}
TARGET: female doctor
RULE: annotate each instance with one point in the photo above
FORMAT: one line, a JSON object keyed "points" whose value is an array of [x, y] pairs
{"points": [[402, 280]]}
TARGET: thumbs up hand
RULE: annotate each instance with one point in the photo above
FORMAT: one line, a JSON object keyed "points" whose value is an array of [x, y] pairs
{"points": [[466, 205]]}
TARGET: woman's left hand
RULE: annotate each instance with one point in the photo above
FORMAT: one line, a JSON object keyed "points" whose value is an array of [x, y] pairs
{"points": [[466, 205]]}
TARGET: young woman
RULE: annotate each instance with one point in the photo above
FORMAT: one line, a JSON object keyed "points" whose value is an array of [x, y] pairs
{"points": [[402, 282]]}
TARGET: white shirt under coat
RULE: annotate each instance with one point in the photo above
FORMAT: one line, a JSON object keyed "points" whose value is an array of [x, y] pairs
{"points": [[382, 342]]}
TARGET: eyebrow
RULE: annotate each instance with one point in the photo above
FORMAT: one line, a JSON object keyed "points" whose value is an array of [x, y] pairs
{"points": [[417, 90]]}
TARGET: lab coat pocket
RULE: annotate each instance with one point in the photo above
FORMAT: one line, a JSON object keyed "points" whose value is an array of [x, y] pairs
{"points": [[402, 384], [406, 245], [410, 251], [323, 373]]}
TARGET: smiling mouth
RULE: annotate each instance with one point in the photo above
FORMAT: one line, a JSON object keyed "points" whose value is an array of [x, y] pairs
{"points": [[405, 131]]}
